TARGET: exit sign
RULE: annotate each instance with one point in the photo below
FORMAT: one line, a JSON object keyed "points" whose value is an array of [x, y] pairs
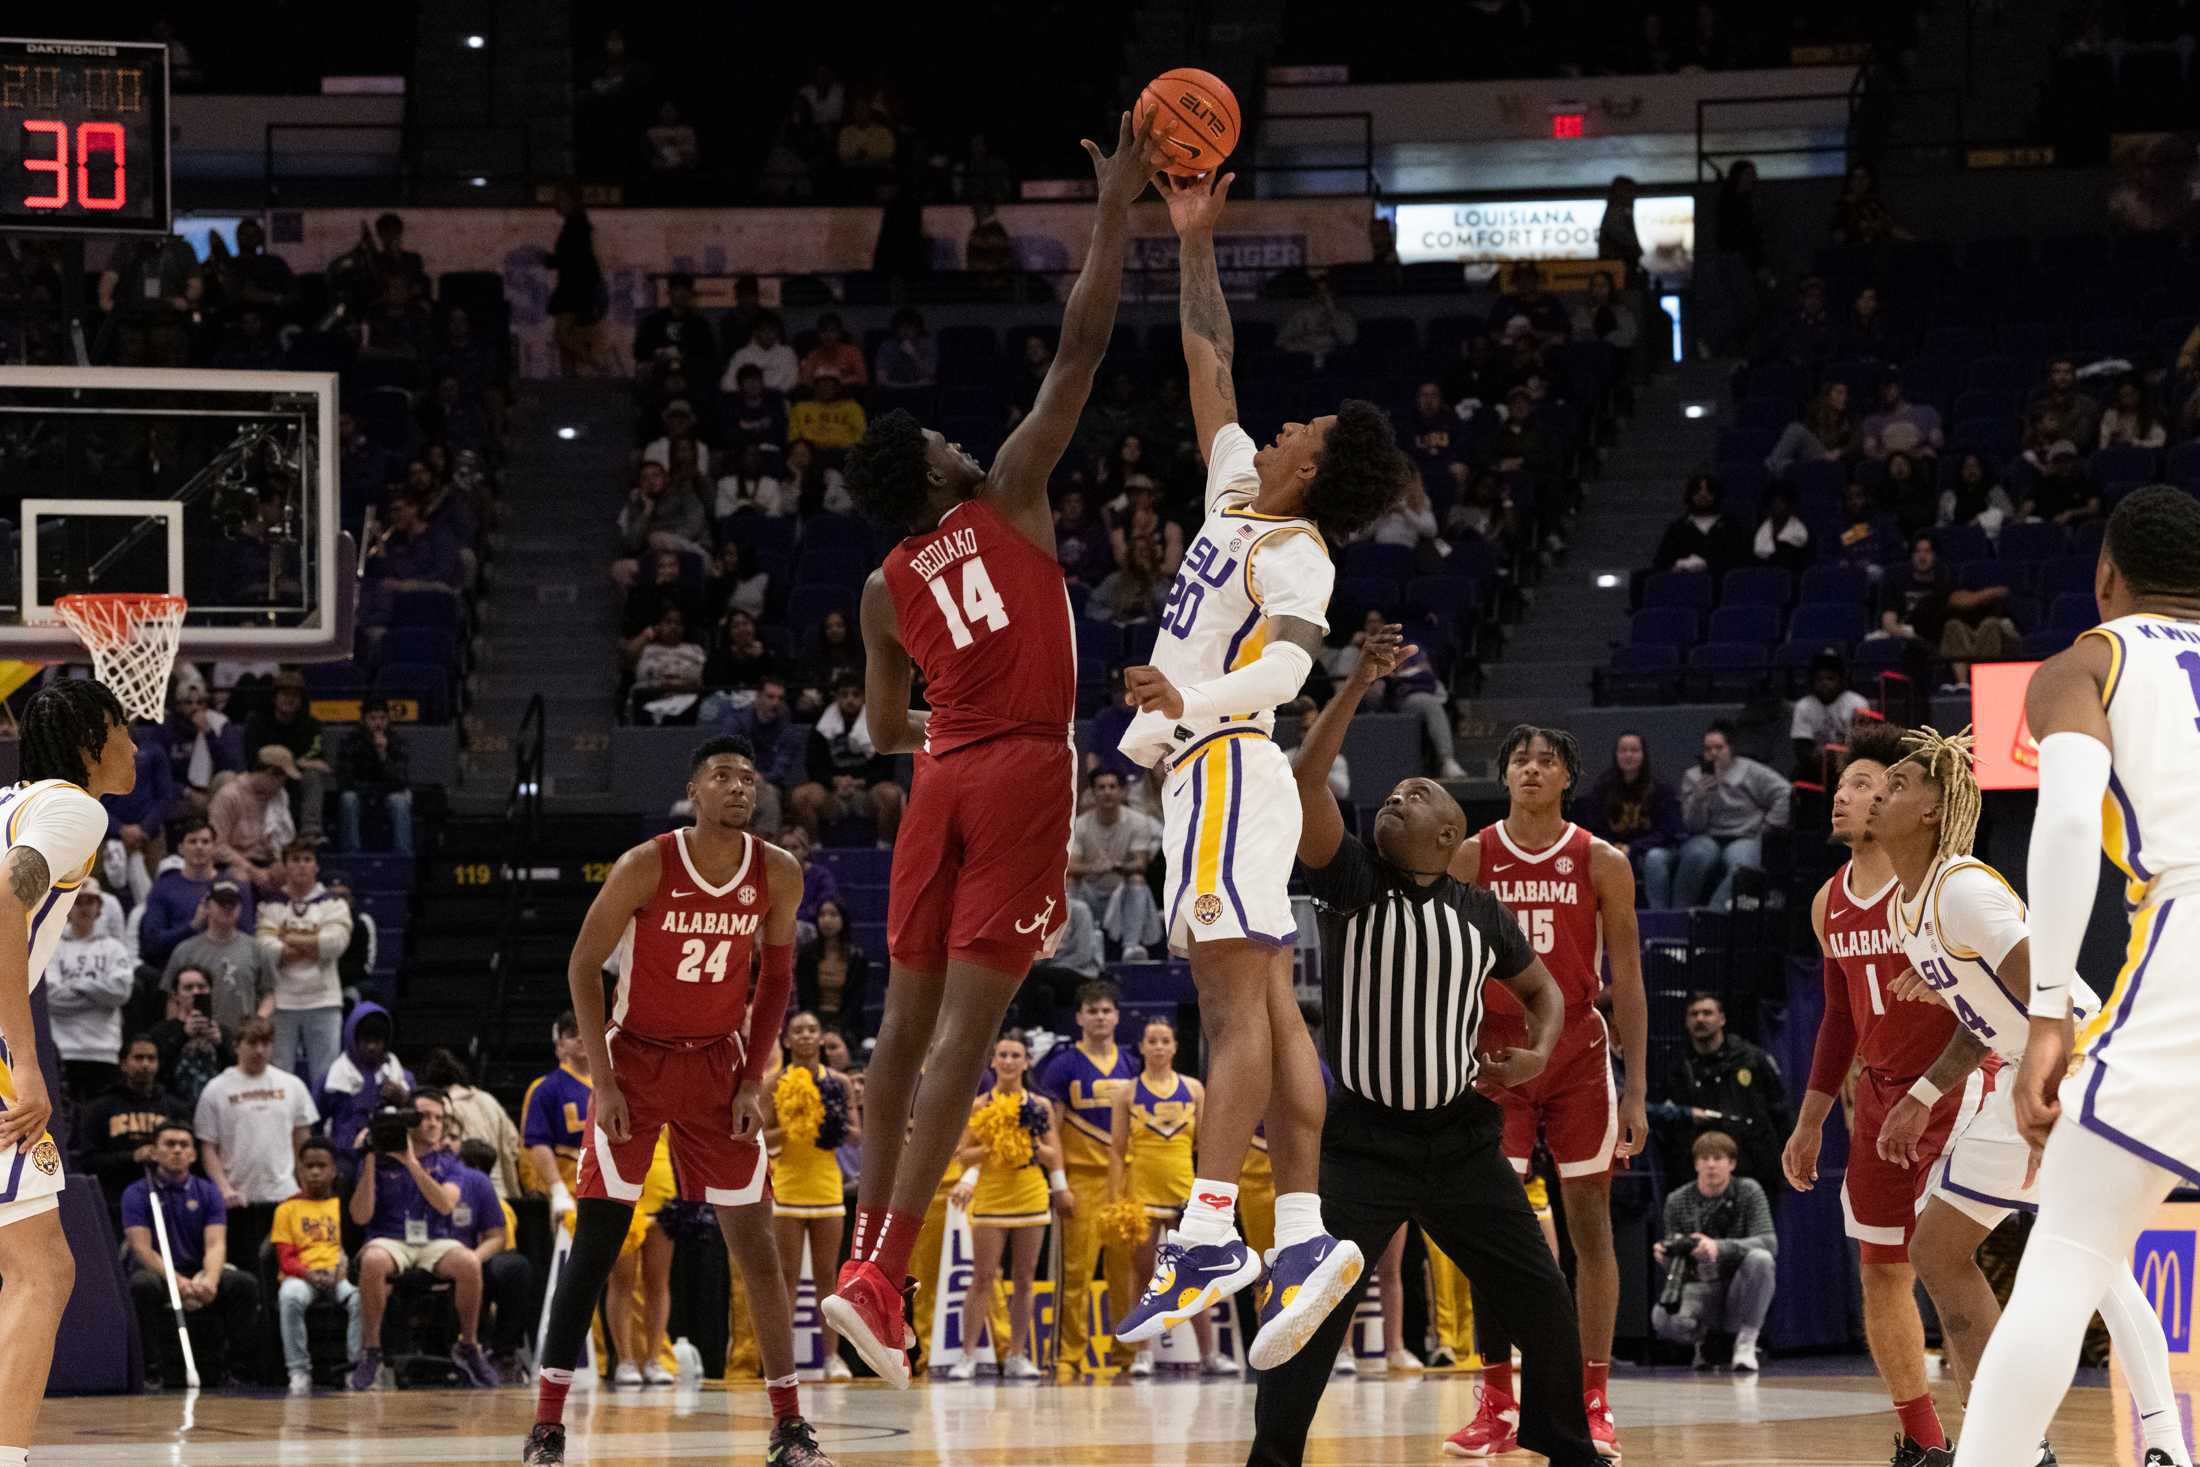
{"points": [[1566, 124]]}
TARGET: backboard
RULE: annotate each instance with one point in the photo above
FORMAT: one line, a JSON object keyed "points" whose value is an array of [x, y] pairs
{"points": [[218, 486]]}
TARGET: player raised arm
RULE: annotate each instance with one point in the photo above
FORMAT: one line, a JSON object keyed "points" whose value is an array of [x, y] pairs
{"points": [[896, 728], [1195, 206], [27, 880], [1321, 827], [1018, 479], [1614, 879], [632, 882], [2065, 710]]}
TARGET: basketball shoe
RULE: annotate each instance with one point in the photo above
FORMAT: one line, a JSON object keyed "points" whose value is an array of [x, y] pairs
{"points": [[794, 1444], [1306, 1281], [1908, 1453], [867, 1310], [545, 1446], [1603, 1435], [1188, 1280], [1494, 1431]]}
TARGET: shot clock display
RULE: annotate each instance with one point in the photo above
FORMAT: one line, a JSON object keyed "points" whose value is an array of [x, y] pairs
{"points": [[83, 137]]}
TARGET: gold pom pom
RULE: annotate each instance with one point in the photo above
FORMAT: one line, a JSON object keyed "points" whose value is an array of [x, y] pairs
{"points": [[801, 1108], [999, 1128], [1123, 1221]]}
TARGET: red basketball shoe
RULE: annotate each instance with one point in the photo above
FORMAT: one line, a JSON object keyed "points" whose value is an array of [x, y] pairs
{"points": [[867, 1310]]}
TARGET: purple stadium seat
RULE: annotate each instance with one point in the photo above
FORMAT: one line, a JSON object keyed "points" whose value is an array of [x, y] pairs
{"points": [[1662, 626], [1822, 477], [2033, 541], [1828, 623], [2043, 644], [2074, 611], [1390, 562], [1691, 589], [1727, 669], [2123, 461], [1756, 585], [1959, 543], [1980, 575], [1836, 584], [1449, 599], [1757, 625]]}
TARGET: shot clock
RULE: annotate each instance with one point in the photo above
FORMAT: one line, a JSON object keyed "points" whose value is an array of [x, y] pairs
{"points": [[83, 137]]}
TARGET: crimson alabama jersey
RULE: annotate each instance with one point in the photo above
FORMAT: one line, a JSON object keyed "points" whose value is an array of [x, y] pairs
{"points": [[685, 960], [1552, 895], [985, 616], [1896, 1040]]}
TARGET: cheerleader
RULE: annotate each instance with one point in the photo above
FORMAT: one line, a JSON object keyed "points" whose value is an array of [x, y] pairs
{"points": [[809, 1112], [1156, 1118], [1012, 1160]]}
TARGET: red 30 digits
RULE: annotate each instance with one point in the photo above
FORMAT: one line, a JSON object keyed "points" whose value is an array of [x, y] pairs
{"points": [[91, 138]]}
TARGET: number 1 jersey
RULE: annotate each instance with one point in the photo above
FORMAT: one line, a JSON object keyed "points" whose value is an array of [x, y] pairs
{"points": [[985, 617]]}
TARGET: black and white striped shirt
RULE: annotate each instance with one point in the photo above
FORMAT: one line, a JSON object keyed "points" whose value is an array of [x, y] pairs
{"points": [[1403, 971]]}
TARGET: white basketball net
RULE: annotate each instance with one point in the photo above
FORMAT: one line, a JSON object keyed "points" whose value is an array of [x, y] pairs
{"points": [[133, 645]]}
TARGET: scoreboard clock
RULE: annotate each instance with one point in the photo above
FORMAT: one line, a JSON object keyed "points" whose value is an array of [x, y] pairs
{"points": [[83, 137]]}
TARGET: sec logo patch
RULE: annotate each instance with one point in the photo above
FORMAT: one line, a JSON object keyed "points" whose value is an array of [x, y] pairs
{"points": [[1564, 865], [46, 1156], [1207, 910], [745, 895]]}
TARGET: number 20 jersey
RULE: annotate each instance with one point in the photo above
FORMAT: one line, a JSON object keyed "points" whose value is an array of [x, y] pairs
{"points": [[984, 614]]}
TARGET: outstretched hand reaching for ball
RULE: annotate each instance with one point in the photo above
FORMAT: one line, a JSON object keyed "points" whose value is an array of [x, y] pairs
{"points": [[1195, 204], [1123, 173]]}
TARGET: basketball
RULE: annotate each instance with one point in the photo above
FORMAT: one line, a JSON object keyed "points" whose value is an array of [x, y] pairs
{"points": [[1199, 120]]}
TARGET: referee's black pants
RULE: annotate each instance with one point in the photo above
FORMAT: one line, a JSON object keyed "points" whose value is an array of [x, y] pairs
{"points": [[1442, 1169]]}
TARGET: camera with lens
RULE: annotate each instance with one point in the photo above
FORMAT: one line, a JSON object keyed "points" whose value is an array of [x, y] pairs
{"points": [[1680, 1251], [389, 1129]]}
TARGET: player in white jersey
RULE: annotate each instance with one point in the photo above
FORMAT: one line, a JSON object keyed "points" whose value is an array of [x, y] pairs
{"points": [[2117, 717], [76, 747], [1244, 621], [1965, 933]]}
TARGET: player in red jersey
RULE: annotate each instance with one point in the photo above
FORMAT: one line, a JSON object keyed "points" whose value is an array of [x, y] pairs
{"points": [[1574, 896], [974, 599], [685, 917], [1894, 1043]]}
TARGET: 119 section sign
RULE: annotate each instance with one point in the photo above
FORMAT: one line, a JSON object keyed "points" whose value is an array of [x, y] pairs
{"points": [[83, 137]]}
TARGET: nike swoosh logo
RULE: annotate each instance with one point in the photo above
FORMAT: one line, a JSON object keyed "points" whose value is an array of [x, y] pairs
{"points": [[677, 893], [1507, 866], [1833, 912]]}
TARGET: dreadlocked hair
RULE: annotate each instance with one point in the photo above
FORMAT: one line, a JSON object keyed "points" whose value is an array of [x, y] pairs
{"points": [[1946, 760], [886, 472], [1569, 753], [1360, 473], [65, 727], [1877, 740]]}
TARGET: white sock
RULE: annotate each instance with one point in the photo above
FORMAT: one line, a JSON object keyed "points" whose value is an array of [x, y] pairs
{"points": [[15, 1456], [1747, 1336], [1210, 1218], [1298, 1218]]}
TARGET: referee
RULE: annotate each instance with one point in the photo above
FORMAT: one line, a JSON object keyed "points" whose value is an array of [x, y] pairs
{"points": [[1405, 953]]}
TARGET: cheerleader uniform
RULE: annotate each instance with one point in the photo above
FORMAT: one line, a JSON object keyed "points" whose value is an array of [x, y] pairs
{"points": [[806, 1179], [1161, 1148], [1017, 1197]]}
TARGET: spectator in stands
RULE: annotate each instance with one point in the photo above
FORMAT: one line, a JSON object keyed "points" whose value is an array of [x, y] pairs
{"points": [[1722, 1082], [2062, 494], [2072, 412], [1823, 714], [251, 1119], [1604, 316], [826, 419], [305, 933], [221, 1302], [1616, 236], [1111, 853], [1868, 538], [1782, 537], [367, 1076], [1431, 431], [251, 819], [1080, 541], [1031, 371], [1409, 522], [1807, 338], [677, 329], [1728, 802], [658, 517], [203, 744], [358, 957], [796, 151], [782, 746], [741, 661], [752, 488], [666, 663], [114, 1133], [248, 346], [865, 144], [241, 971], [254, 277], [412, 554], [1909, 494], [287, 723], [1703, 538], [148, 292], [400, 326], [1860, 216], [89, 980], [833, 655], [1965, 625], [2131, 422], [1135, 518], [824, 97], [1048, 998], [1731, 1271], [669, 144], [309, 1259], [1733, 275], [1135, 591], [832, 976], [1975, 497], [907, 359], [1527, 296], [1867, 335], [982, 177], [819, 885], [817, 486], [1901, 426], [485, 1223], [773, 359], [754, 415], [733, 585], [989, 255], [375, 765], [836, 354], [1412, 687], [848, 778], [193, 1049], [1630, 806], [1825, 431], [1483, 509], [577, 301], [1319, 329], [404, 1199], [678, 418]]}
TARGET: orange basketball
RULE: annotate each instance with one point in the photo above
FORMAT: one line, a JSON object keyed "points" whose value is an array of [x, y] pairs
{"points": [[1199, 120]]}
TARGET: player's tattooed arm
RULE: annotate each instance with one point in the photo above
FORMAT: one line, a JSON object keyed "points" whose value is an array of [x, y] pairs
{"points": [[29, 878], [1299, 632], [1210, 345]]}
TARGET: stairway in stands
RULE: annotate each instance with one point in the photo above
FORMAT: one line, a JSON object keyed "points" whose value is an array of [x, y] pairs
{"points": [[1551, 657]]}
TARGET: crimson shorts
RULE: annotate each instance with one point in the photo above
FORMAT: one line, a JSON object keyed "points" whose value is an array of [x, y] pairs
{"points": [[1573, 1104], [690, 1089], [981, 855], [1879, 1198]]}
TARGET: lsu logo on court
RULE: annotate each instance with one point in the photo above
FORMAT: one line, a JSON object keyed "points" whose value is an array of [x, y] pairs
{"points": [[2162, 1261]]}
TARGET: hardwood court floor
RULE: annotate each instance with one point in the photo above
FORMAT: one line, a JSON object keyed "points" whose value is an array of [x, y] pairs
{"points": [[1665, 1417]]}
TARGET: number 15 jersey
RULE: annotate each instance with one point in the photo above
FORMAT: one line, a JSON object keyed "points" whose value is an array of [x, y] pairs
{"points": [[985, 616]]}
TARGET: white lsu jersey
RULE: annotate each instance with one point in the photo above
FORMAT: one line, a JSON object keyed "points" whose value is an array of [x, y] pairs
{"points": [[1243, 568], [1958, 931], [2152, 699]]}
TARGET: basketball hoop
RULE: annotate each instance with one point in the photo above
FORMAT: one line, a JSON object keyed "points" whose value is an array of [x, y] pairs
{"points": [[133, 645]]}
